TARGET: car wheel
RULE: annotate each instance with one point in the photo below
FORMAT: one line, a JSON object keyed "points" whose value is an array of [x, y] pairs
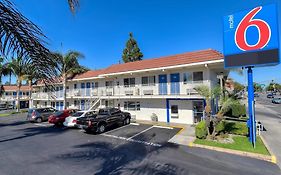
{"points": [[127, 121], [101, 128], [39, 120]]}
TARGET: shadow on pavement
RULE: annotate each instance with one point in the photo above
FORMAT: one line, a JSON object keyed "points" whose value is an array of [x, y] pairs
{"points": [[127, 158], [34, 131]]}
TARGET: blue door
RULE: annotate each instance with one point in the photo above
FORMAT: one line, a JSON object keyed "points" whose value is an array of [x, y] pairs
{"points": [[83, 89], [82, 104], [57, 105], [162, 84], [88, 86], [175, 83], [61, 105]]}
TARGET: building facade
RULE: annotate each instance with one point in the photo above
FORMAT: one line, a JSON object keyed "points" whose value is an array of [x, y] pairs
{"points": [[155, 89], [10, 95]]}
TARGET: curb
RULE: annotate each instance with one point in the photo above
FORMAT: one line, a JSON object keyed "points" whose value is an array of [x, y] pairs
{"points": [[273, 157], [236, 152]]}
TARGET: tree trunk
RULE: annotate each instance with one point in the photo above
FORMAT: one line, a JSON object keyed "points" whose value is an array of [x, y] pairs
{"points": [[10, 78], [18, 96], [64, 91], [30, 93]]}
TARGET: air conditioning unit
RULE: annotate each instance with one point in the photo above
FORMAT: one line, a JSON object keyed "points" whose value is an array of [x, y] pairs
{"points": [[147, 92], [129, 93]]}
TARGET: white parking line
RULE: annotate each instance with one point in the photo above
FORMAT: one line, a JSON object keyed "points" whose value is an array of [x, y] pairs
{"points": [[164, 127], [132, 140], [141, 132], [136, 124], [43, 124]]}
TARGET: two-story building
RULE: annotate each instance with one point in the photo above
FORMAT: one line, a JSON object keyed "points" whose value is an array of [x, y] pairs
{"points": [[161, 87], [10, 95]]}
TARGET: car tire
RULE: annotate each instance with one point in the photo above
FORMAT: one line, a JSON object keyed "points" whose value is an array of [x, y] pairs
{"points": [[39, 120], [127, 121], [101, 128]]}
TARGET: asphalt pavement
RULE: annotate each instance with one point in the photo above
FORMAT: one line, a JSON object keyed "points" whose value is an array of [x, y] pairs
{"points": [[29, 148], [270, 116]]}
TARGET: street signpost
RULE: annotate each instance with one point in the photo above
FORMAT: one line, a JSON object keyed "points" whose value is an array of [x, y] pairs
{"points": [[251, 40]]}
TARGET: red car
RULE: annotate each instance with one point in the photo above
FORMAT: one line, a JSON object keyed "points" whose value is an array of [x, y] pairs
{"points": [[59, 117]]}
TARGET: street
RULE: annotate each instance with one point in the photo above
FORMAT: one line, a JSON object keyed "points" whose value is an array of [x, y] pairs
{"points": [[270, 116], [30, 148]]}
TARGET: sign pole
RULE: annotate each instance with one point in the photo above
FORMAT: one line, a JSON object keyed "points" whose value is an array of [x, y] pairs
{"points": [[251, 106]]}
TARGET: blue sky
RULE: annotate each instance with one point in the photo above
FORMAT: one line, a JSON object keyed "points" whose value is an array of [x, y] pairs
{"points": [[162, 27]]}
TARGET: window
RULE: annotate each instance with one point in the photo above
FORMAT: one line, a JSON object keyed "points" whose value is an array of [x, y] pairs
{"points": [[75, 102], [27, 93], [96, 84], [109, 84], [187, 77], [14, 93], [82, 85], [132, 105], [174, 109], [129, 82], [6, 93], [148, 81], [197, 76], [75, 86], [45, 103]]}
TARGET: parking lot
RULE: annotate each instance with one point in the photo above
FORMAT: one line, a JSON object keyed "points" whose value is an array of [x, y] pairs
{"points": [[40, 148]]}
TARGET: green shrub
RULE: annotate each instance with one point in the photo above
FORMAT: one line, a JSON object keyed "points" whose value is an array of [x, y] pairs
{"points": [[200, 130], [238, 110], [237, 128]]}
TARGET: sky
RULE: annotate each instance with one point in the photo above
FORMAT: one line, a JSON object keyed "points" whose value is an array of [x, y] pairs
{"points": [[101, 28]]}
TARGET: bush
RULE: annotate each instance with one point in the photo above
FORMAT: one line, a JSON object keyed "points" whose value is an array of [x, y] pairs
{"points": [[238, 110], [200, 130], [237, 128]]}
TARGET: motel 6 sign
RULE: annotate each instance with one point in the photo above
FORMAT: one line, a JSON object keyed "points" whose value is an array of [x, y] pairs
{"points": [[251, 37]]}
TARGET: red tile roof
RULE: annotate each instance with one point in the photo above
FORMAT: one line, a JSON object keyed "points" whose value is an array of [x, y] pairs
{"points": [[89, 74], [15, 88], [179, 59]]}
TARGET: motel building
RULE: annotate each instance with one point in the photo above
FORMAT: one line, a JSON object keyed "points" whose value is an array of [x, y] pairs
{"points": [[161, 88], [10, 95]]}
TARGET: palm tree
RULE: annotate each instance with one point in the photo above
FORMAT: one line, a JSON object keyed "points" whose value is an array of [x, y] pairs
{"points": [[68, 66], [22, 38], [19, 67]]}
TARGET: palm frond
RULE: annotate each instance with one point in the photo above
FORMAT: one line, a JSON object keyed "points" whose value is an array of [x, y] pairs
{"points": [[22, 38], [73, 5]]}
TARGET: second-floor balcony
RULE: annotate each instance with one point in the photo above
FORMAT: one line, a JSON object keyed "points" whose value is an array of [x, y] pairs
{"points": [[167, 89]]}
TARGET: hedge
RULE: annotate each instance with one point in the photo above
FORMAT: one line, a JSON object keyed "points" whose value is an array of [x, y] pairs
{"points": [[237, 128], [200, 130]]}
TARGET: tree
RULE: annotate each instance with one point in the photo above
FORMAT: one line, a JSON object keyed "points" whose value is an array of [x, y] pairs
{"points": [[19, 67], [20, 38], [257, 87], [68, 66], [209, 94], [238, 87], [131, 52]]}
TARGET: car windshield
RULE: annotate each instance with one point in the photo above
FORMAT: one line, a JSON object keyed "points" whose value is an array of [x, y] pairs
{"points": [[77, 114], [58, 113]]}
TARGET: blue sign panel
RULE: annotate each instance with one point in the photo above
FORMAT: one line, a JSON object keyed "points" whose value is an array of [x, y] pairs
{"points": [[251, 37]]}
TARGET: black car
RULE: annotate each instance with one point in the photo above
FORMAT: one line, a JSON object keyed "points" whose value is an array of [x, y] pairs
{"points": [[270, 96], [40, 114], [105, 117]]}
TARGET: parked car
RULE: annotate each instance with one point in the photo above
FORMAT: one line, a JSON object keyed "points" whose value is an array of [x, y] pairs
{"points": [[72, 119], [59, 117], [276, 100], [105, 117], [40, 114], [256, 95], [270, 96]]}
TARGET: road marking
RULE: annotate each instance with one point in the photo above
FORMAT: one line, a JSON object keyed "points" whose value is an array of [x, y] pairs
{"points": [[43, 124], [141, 132], [164, 127], [136, 124], [117, 128], [133, 140]]}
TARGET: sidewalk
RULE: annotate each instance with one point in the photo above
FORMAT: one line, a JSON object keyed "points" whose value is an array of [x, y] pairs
{"points": [[272, 123], [184, 137]]}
